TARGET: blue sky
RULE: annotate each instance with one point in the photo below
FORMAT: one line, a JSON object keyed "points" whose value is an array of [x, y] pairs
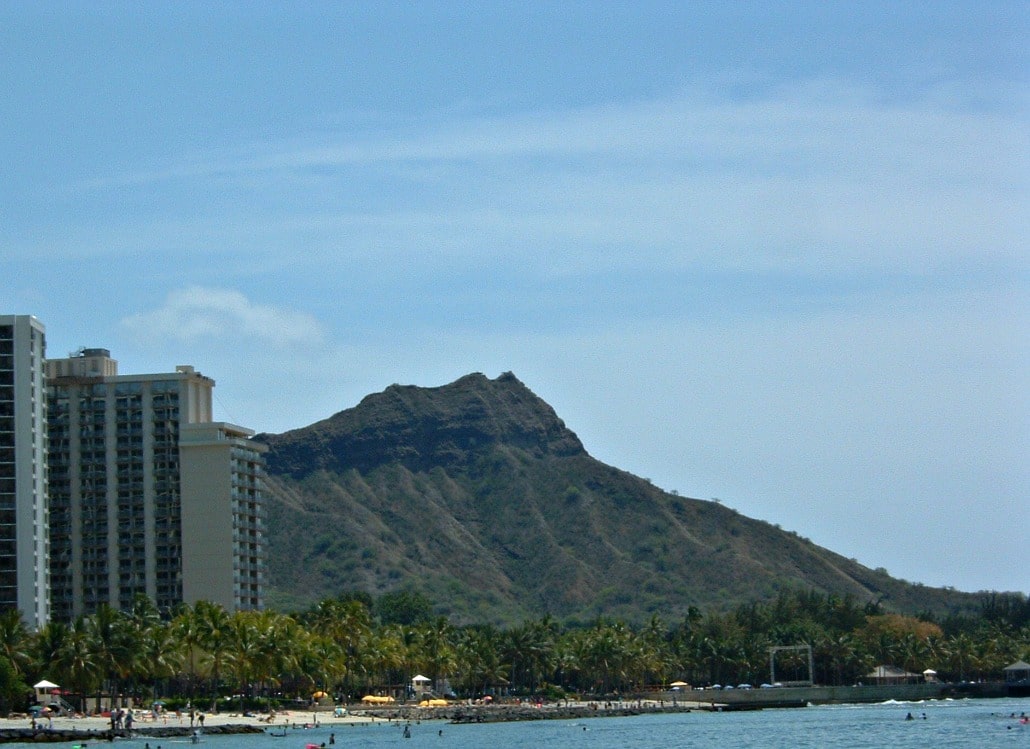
{"points": [[773, 253]]}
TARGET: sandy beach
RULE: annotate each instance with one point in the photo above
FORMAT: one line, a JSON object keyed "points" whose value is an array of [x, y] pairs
{"points": [[361, 714]]}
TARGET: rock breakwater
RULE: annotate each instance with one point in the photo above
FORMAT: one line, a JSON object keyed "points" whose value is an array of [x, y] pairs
{"points": [[86, 736], [506, 713]]}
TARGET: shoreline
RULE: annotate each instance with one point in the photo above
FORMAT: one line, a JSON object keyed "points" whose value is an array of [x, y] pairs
{"points": [[98, 729], [19, 728]]}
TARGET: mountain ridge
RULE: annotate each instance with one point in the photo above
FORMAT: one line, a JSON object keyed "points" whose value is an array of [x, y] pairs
{"points": [[380, 428], [477, 494]]}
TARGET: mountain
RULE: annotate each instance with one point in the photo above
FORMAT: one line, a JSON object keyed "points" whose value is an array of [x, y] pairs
{"points": [[479, 496]]}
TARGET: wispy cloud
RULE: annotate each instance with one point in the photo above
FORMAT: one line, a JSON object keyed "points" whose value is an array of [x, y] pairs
{"points": [[820, 176], [789, 128], [196, 314]]}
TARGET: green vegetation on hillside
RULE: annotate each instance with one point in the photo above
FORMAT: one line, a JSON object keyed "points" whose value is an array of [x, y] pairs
{"points": [[477, 495]]}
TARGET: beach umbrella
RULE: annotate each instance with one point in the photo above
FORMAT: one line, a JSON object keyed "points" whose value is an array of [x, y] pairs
{"points": [[679, 684], [319, 695]]}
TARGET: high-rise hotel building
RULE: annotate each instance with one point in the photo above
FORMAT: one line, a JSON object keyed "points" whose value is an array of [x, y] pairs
{"points": [[24, 544], [148, 495]]}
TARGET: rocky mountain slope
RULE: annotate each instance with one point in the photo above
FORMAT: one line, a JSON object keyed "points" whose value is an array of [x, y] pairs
{"points": [[478, 495]]}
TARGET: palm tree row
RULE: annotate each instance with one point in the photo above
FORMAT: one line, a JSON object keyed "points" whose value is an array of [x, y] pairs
{"points": [[205, 654]]}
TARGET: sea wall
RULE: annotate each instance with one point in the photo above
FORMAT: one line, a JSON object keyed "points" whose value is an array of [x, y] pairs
{"points": [[845, 695]]}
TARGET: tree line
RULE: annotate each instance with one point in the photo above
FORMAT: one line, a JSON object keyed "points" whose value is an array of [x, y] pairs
{"points": [[353, 645]]}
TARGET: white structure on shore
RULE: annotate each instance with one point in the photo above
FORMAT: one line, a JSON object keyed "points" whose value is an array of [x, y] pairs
{"points": [[24, 534], [148, 495]]}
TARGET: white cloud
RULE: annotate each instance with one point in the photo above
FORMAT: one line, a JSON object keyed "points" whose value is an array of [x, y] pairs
{"points": [[197, 313]]}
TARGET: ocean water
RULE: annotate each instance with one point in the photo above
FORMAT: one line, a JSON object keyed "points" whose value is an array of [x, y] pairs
{"points": [[969, 724]]}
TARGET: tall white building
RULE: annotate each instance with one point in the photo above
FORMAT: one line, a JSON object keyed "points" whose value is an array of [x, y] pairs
{"points": [[24, 539], [148, 495]]}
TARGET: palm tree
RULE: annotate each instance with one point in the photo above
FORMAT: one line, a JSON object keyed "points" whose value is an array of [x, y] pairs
{"points": [[573, 659], [936, 651], [76, 662], [160, 657], [216, 641], [531, 650], [47, 646], [838, 655], [435, 648], [963, 654], [391, 649], [282, 641], [248, 656], [156, 656], [651, 659], [913, 651], [478, 659], [327, 663], [187, 629], [14, 639], [112, 647], [604, 656], [348, 623]]}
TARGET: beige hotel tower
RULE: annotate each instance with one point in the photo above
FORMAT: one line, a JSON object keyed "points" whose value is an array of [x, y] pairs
{"points": [[148, 495]]}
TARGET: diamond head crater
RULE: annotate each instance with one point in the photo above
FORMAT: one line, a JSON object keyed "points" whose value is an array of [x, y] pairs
{"points": [[478, 497]]}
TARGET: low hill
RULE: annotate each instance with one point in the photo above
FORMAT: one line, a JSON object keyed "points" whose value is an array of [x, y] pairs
{"points": [[478, 495]]}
